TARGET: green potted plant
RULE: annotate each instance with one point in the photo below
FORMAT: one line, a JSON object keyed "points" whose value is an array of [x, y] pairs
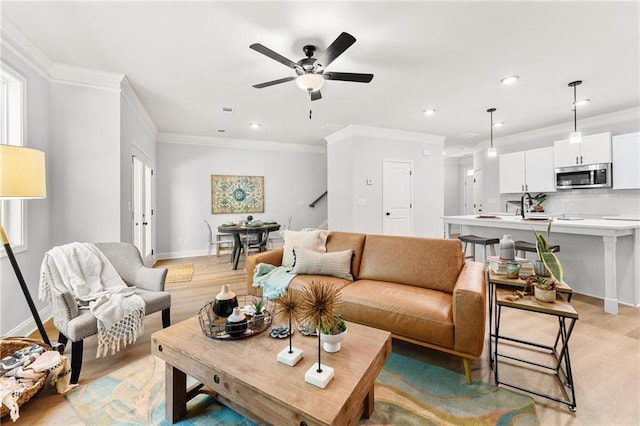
{"points": [[258, 317], [537, 200], [548, 264], [332, 335], [545, 289]]}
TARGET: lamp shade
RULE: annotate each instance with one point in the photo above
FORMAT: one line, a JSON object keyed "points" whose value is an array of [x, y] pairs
{"points": [[22, 173]]}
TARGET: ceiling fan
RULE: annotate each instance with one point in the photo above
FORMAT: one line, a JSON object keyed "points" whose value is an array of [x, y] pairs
{"points": [[311, 72]]}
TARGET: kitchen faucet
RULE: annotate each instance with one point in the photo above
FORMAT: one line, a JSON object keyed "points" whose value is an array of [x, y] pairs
{"points": [[526, 194]]}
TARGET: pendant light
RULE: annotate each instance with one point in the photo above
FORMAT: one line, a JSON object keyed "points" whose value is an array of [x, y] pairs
{"points": [[492, 150], [575, 136]]}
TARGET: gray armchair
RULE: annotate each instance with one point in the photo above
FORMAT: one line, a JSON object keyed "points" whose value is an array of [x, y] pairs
{"points": [[75, 324]]}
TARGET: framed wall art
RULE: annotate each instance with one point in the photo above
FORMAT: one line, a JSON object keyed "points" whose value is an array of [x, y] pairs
{"points": [[237, 194]]}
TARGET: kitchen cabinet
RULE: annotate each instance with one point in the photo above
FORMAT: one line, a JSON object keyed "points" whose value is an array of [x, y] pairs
{"points": [[593, 149], [530, 171], [626, 161]]}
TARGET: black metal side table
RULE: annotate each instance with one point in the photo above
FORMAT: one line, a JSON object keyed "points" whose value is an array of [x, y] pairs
{"points": [[561, 369], [501, 280]]}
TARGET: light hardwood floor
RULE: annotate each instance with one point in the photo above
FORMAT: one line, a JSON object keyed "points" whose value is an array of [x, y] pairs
{"points": [[605, 354]]}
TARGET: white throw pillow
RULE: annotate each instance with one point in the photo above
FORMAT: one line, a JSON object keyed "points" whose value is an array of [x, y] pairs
{"points": [[312, 240], [335, 264]]}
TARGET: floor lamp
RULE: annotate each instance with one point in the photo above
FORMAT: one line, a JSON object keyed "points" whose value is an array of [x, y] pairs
{"points": [[22, 176]]}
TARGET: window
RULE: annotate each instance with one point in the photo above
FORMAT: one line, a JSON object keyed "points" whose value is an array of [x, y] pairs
{"points": [[12, 118]]}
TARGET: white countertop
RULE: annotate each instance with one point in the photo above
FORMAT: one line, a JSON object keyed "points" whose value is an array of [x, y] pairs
{"points": [[585, 226]]}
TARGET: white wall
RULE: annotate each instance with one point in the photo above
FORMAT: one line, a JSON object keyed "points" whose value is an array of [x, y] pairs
{"points": [[366, 148], [291, 182], [452, 187], [85, 163], [14, 312]]}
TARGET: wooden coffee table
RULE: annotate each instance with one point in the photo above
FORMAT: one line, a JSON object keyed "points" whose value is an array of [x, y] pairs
{"points": [[245, 376]]}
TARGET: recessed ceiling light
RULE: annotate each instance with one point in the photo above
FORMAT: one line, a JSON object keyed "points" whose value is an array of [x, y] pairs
{"points": [[509, 79], [582, 102], [255, 125], [429, 111], [498, 124]]}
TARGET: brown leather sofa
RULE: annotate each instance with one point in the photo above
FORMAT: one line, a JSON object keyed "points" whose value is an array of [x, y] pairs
{"points": [[419, 289]]}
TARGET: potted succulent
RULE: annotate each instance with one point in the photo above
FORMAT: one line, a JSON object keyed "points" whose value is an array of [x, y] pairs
{"points": [[333, 335], [537, 200], [548, 264], [258, 316], [545, 289]]}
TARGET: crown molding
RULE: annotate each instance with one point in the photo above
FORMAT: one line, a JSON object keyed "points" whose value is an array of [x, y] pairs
{"points": [[555, 132], [129, 95], [69, 74], [351, 131], [14, 41], [238, 143]]}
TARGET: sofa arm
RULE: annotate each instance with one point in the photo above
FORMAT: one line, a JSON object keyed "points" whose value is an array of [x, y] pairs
{"points": [[151, 279], [469, 309], [272, 257]]}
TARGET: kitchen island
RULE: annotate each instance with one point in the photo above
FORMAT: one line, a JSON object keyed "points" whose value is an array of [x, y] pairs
{"points": [[600, 257]]}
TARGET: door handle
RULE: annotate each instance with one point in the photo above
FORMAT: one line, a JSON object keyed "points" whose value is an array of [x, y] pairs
{"points": [[145, 223], [388, 214]]}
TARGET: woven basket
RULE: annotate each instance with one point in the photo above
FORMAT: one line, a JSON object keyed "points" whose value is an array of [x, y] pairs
{"points": [[9, 346]]}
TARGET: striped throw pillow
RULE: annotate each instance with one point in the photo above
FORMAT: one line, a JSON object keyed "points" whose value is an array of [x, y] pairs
{"points": [[335, 264]]}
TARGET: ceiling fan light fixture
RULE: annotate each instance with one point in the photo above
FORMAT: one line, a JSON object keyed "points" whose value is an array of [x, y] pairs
{"points": [[310, 82], [575, 136]]}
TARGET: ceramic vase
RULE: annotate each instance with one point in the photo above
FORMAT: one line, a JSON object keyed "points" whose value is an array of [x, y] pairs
{"points": [[507, 248], [225, 302], [236, 323], [331, 342], [545, 295]]}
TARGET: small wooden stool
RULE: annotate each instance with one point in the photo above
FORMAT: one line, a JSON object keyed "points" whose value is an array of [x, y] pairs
{"points": [[475, 240], [522, 247]]}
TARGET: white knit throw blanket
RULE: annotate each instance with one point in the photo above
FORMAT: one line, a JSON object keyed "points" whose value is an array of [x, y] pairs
{"points": [[91, 278]]}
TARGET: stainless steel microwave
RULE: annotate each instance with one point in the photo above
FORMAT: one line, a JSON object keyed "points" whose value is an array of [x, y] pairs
{"points": [[588, 176]]}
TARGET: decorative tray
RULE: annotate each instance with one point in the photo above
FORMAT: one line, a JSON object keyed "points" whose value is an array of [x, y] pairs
{"points": [[215, 327]]}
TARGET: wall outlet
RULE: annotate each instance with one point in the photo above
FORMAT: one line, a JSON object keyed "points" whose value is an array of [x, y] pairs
{"points": [[362, 202]]}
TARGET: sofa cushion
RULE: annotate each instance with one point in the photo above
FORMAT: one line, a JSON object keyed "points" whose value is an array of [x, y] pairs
{"points": [[338, 241], [409, 311], [432, 263], [309, 262], [312, 240]]}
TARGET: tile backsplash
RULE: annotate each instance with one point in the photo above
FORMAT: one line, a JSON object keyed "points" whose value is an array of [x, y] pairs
{"points": [[594, 203]]}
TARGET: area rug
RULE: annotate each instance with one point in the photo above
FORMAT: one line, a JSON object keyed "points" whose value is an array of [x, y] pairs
{"points": [[179, 273], [407, 392]]}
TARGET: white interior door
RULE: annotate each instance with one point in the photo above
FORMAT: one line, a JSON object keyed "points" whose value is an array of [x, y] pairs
{"points": [[143, 220], [468, 194], [397, 197], [477, 191]]}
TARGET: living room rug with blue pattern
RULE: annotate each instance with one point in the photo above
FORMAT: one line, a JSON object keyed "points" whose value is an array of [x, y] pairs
{"points": [[407, 392]]}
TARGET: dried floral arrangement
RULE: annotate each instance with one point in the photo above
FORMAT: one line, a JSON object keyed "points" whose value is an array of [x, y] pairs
{"points": [[318, 305]]}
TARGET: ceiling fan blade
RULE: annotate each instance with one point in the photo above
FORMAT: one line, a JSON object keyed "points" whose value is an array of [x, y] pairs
{"points": [[348, 76], [315, 95], [273, 55], [273, 82], [339, 45]]}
